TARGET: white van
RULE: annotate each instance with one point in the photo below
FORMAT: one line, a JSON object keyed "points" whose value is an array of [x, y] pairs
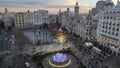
{"points": [[27, 65], [88, 44]]}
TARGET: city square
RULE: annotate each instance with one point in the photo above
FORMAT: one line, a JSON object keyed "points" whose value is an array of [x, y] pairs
{"points": [[60, 34]]}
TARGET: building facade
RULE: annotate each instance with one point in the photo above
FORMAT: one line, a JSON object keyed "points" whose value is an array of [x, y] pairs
{"points": [[1, 16], [53, 18], [99, 6], [27, 20], [76, 10], [40, 17], [81, 25], [20, 20], [8, 20], [109, 26], [85, 28], [66, 17]]}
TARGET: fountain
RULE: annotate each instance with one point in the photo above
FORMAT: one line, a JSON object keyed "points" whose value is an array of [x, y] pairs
{"points": [[59, 58]]}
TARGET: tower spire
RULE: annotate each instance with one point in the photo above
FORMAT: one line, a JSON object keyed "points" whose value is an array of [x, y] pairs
{"points": [[117, 1], [6, 10], [108, 1], [76, 10], [59, 10], [76, 3]]}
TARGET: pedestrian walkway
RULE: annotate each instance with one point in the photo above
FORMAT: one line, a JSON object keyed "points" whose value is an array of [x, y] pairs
{"points": [[92, 60], [19, 35]]}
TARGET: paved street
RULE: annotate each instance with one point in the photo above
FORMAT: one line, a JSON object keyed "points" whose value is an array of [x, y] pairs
{"points": [[4, 48], [15, 59], [89, 58], [19, 53], [19, 57], [4, 38]]}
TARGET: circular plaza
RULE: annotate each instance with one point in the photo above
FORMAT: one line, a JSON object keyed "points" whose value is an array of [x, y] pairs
{"points": [[60, 60]]}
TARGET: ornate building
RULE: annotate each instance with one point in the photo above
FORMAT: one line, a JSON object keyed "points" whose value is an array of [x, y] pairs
{"points": [[85, 27], [20, 20], [26, 20], [109, 26], [40, 17], [8, 19], [99, 6], [76, 10]]}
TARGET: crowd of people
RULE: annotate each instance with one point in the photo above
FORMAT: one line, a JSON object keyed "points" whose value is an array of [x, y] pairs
{"points": [[86, 55]]}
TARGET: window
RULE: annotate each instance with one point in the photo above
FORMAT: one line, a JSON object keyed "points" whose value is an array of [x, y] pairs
{"points": [[117, 24], [117, 29], [109, 32], [86, 33], [103, 26], [87, 23], [104, 17], [102, 30], [89, 33], [114, 12], [116, 34], [114, 18], [113, 28], [111, 17], [114, 24], [86, 29], [112, 33]]}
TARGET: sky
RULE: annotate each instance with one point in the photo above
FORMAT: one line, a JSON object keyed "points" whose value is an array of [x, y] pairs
{"points": [[52, 6]]}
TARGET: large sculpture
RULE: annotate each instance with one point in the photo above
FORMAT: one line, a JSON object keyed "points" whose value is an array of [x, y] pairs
{"points": [[61, 37]]}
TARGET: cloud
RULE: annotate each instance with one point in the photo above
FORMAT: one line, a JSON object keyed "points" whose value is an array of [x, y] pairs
{"points": [[28, 3], [70, 2], [51, 5], [20, 3]]}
